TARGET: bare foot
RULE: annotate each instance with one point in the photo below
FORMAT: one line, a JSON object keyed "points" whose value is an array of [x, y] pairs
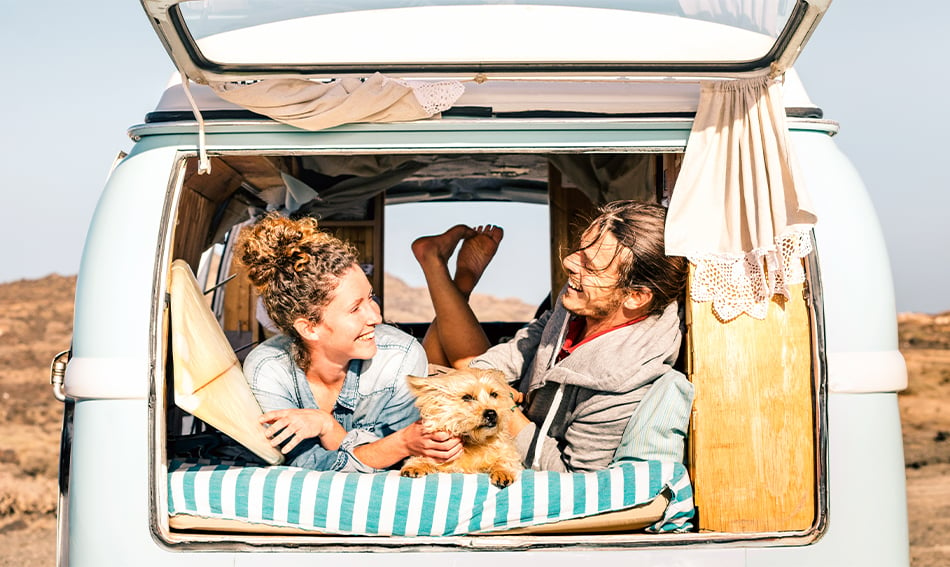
{"points": [[475, 254], [439, 248]]}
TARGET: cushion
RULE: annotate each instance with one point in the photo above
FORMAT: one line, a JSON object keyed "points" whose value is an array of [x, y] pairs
{"points": [[435, 505], [657, 428]]}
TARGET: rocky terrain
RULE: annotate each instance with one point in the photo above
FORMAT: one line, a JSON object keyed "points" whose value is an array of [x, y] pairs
{"points": [[36, 323]]}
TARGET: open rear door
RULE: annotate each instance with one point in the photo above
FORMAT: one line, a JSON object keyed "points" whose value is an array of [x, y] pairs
{"points": [[224, 40]]}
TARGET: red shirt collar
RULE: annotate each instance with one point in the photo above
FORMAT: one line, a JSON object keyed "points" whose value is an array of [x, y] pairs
{"points": [[575, 330]]}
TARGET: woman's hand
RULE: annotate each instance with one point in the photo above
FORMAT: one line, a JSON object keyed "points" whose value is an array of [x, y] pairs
{"points": [[291, 426], [438, 445]]}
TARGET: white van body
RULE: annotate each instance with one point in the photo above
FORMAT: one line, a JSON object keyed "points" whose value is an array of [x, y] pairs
{"points": [[114, 487]]}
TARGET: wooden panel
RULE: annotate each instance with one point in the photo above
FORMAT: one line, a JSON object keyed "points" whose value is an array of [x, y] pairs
{"points": [[191, 227], [367, 237], [258, 172], [752, 430], [670, 168], [240, 305], [217, 185], [570, 211]]}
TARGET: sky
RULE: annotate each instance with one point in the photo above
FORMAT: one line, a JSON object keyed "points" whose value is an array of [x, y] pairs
{"points": [[78, 74]]}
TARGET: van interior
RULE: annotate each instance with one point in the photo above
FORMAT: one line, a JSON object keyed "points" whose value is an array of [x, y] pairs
{"points": [[754, 440]]}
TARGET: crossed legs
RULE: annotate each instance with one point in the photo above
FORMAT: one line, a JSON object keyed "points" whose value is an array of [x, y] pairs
{"points": [[455, 336]]}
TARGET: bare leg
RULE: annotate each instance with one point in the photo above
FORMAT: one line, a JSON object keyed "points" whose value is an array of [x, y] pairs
{"points": [[455, 336], [474, 256]]}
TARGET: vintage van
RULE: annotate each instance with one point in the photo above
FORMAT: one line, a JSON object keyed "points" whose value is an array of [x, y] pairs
{"points": [[359, 113]]}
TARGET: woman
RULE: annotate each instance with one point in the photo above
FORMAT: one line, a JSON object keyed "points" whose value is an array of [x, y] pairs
{"points": [[583, 366], [332, 385]]}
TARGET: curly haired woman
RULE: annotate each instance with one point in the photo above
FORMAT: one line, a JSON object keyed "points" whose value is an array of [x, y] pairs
{"points": [[332, 385]]}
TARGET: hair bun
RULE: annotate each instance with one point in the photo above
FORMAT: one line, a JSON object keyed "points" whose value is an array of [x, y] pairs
{"points": [[274, 248]]}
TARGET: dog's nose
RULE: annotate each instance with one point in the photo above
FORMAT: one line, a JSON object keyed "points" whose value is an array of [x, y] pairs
{"points": [[490, 418]]}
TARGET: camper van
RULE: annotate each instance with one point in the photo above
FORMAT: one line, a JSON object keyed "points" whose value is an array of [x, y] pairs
{"points": [[374, 116]]}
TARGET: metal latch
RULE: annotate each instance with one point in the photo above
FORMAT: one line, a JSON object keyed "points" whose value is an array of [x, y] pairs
{"points": [[57, 374]]}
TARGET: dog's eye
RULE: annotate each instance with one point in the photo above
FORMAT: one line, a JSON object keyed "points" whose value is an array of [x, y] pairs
{"points": [[468, 398], [494, 394]]}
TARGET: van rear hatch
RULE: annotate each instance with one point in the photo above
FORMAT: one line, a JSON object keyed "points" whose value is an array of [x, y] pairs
{"points": [[227, 40]]}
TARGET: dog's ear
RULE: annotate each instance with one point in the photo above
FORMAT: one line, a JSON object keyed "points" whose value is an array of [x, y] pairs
{"points": [[420, 385], [416, 383], [496, 375], [502, 381]]}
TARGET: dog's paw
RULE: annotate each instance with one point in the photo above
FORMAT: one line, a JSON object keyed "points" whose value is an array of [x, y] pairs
{"points": [[416, 468], [413, 472], [502, 477]]}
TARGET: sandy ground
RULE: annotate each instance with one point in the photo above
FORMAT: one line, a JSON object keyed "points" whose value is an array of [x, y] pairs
{"points": [[32, 330]]}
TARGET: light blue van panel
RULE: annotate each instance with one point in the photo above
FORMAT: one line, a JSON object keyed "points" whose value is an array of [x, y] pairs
{"points": [[117, 275], [857, 290], [108, 502], [855, 269]]}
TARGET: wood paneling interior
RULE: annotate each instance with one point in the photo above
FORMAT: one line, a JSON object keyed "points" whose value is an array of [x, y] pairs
{"points": [[240, 309], [203, 194], [751, 438], [367, 237], [570, 211], [191, 227]]}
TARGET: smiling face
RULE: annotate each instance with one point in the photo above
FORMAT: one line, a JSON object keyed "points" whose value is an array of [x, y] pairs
{"points": [[346, 330], [592, 276]]}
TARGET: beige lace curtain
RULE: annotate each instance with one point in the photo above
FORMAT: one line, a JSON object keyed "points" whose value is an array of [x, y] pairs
{"points": [[738, 210]]}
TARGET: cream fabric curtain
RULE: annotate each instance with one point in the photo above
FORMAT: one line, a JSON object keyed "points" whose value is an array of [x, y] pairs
{"points": [[314, 106], [738, 210]]}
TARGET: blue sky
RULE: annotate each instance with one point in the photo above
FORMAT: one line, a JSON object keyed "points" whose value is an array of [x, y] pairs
{"points": [[80, 73]]}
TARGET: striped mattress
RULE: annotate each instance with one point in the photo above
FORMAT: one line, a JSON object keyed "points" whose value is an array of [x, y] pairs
{"points": [[387, 504]]}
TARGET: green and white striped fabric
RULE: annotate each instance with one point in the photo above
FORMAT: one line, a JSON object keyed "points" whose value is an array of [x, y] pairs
{"points": [[434, 505]]}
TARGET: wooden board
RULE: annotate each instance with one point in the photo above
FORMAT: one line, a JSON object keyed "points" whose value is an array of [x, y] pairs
{"points": [[751, 438]]}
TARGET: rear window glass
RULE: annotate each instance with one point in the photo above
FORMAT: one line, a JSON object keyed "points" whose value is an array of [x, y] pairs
{"points": [[515, 283]]}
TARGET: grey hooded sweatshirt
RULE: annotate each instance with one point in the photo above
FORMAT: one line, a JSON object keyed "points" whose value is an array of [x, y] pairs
{"points": [[603, 381]]}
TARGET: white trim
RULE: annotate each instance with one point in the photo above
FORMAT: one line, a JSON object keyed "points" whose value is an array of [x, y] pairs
{"points": [[864, 372], [106, 378]]}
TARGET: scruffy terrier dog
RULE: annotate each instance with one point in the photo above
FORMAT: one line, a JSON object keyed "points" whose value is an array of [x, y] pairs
{"points": [[475, 405]]}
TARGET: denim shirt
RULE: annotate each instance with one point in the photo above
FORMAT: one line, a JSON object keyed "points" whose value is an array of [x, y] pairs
{"points": [[374, 402]]}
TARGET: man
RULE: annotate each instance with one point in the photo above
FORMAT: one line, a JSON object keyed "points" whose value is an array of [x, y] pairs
{"points": [[584, 365]]}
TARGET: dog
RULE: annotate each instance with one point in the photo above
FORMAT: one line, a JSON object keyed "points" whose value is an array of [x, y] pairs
{"points": [[475, 405]]}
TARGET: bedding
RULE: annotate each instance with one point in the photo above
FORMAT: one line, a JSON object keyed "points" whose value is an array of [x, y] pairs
{"points": [[386, 504]]}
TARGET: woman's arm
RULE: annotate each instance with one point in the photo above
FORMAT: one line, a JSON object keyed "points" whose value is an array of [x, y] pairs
{"points": [[410, 441]]}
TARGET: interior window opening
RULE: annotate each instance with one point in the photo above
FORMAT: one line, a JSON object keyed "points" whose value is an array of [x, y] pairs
{"points": [[380, 204]]}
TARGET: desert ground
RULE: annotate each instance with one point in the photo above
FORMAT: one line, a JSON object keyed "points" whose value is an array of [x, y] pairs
{"points": [[36, 323]]}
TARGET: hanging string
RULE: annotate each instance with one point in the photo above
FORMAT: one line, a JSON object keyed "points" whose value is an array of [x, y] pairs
{"points": [[204, 164]]}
